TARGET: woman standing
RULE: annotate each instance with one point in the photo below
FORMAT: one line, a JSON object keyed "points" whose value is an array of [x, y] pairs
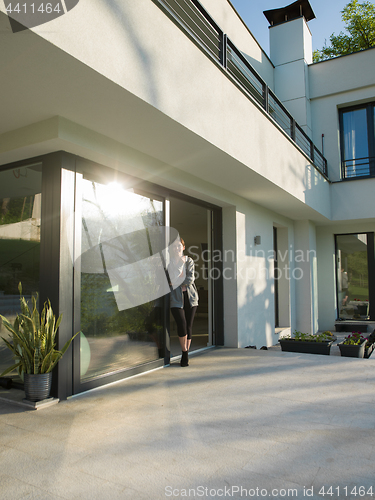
{"points": [[184, 296]]}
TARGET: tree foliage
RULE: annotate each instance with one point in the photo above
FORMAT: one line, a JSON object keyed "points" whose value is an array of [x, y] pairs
{"points": [[359, 19]]}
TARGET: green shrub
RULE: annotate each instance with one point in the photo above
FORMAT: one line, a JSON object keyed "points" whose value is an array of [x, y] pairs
{"points": [[33, 338]]}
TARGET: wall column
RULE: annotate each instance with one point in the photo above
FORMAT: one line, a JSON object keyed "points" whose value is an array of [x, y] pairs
{"points": [[230, 277], [304, 275]]}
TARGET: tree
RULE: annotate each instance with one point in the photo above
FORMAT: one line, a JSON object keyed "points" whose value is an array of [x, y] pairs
{"points": [[359, 19]]}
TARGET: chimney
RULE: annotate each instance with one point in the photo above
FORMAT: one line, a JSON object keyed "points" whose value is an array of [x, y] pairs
{"points": [[291, 53]]}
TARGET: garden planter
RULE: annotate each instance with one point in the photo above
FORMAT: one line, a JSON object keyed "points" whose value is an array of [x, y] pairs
{"points": [[362, 310], [37, 387], [368, 350], [302, 346], [352, 351], [32, 342]]}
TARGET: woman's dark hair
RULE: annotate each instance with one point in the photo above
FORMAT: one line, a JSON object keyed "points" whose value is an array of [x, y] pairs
{"points": [[182, 241]]}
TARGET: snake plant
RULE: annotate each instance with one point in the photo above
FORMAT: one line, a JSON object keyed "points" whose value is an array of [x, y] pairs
{"points": [[33, 338]]}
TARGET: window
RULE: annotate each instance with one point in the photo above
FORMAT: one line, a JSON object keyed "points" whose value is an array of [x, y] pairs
{"points": [[355, 276], [121, 312], [20, 220], [357, 141]]}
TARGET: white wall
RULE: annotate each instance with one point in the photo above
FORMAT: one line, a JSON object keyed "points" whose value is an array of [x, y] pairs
{"points": [[154, 90], [255, 282], [230, 22], [305, 277], [334, 84], [353, 200], [230, 283], [283, 38], [284, 283]]}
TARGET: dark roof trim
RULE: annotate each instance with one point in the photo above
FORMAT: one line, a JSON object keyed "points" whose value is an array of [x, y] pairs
{"points": [[301, 8]]}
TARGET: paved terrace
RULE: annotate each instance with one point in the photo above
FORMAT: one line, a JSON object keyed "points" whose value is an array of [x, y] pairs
{"points": [[275, 424]]}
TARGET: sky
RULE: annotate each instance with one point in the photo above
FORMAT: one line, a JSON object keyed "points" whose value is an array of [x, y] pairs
{"points": [[327, 18]]}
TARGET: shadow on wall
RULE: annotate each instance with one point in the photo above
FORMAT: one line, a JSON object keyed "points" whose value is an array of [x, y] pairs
{"points": [[308, 185], [317, 193], [256, 318], [316, 188], [122, 17], [259, 65], [311, 180]]}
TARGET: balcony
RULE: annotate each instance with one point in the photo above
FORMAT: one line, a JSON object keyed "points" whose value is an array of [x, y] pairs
{"points": [[358, 168], [198, 25]]}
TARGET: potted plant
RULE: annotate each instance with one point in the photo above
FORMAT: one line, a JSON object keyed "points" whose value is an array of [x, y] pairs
{"points": [[32, 342], [308, 343], [370, 345], [353, 345]]}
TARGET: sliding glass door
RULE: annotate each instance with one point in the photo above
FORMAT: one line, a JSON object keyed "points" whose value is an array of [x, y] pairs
{"points": [[122, 279]]}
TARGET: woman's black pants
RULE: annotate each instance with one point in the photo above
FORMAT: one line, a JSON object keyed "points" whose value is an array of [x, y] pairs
{"points": [[184, 318]]}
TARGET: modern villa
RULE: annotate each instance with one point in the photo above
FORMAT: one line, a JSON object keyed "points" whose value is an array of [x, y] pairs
{"points": [[124, 124]]}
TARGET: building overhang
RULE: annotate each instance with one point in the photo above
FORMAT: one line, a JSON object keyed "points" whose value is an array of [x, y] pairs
{"points": [[51, 101]]}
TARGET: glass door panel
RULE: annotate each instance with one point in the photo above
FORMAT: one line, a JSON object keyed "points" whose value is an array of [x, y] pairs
{"points": [[122, 279], [193, 223], [20, 219], [352, 276], [355, 141]]}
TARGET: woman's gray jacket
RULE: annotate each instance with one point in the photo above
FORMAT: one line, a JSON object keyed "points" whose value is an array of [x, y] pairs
{"points": [[176, 295]]}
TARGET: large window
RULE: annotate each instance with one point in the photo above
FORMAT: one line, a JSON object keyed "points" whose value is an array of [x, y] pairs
{"points": [[355, 275], [358, 141], [20, 218], [121, 300]]}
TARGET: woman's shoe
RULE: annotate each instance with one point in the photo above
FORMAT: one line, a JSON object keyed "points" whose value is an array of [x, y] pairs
{"points": [[184, 359]]}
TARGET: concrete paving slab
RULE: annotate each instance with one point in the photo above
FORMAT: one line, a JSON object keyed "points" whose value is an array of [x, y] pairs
{"points": [[236, 423]]}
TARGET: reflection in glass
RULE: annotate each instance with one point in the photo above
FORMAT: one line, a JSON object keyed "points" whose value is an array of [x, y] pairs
{"points": [[352, 276], [20, 217], [356, 149], [122, 279], [196, 224]]}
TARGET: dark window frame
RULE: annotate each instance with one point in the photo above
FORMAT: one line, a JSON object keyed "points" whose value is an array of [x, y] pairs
{"points": [[370, 119], [370, 270]]}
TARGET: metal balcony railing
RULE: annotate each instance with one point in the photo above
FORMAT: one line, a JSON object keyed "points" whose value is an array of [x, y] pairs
{"points": [[358, 167], [193, 18], [195, 21], [240, 69]]}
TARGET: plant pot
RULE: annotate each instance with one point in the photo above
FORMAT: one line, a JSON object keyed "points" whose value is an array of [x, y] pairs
{"points": [[37, 387], [368, 350], [302, 346], [352, 351], [362, 310]]}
